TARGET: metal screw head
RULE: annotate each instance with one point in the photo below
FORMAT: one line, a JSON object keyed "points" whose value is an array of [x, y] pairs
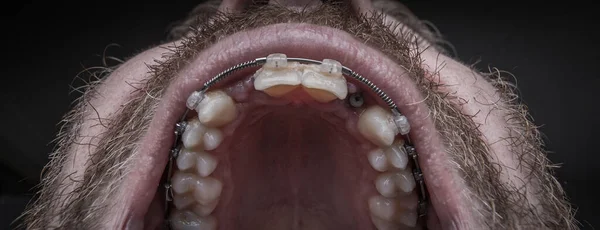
{"points": [[356, 100]]}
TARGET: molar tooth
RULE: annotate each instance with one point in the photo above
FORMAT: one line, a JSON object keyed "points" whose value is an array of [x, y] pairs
{"points": [[378, 160], [217, 109], [182, 201], [396, 154], [186, 159], [187, 220], [381, 224], [326, 82], [382, 207], [205, 209], [376, 126], [206, 164], [183, 182], [405, 181], [207, 190], [386, 185], [212, 138], [192, 136], [408, 218]]}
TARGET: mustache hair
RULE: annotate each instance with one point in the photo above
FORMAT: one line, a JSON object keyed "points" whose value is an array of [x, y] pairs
{"points": [[80, 202]]}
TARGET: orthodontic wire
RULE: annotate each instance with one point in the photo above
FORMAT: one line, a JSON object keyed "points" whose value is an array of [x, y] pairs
{"points": [[410, 150]]}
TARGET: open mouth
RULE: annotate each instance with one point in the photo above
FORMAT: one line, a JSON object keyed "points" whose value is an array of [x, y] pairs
{"points": [[291, 144], [295, 141]]}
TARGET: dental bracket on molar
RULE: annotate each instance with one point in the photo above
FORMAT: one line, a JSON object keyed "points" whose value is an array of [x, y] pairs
{"points": [[326, 67]]}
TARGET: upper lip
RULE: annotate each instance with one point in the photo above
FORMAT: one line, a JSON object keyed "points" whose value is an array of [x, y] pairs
{"points": [[295, 40]]}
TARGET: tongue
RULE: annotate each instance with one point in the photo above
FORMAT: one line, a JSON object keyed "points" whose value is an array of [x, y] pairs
{"points": [[293, 168]]}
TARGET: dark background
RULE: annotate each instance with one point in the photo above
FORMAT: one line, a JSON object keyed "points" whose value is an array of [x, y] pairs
{"points": [[552, 49]]}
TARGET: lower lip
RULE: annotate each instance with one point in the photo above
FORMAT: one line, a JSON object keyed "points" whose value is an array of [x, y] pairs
{"points": [[294, 40]]}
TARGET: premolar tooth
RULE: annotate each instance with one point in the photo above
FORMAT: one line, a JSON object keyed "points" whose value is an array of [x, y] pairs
{"points": [[326, 83], [205, 209], [396, 154], [193, 134], [186, 159], [405, 181], [207, 190], [217, 109], [376, 126], [206, 164], [212, 138], [187, 220], [378, 160], [386, 185]]}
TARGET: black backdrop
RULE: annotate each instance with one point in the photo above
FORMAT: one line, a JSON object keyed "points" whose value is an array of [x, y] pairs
{"points": [[552, 49]]}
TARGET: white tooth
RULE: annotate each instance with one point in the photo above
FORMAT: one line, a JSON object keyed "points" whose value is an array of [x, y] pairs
{"points": [[378, 160], [187, 220], [328, 77], [405, 181], [381, 224], [217, 109], [183, 182], [385, 185], [277, 78], [266, 78], [192, 136], [206, 164], [212, 138], [276, 60], [376, 126], [207, 190], [205, 209], [384, 208], [182, 201], [408, 218], [186, 159], [396, 154]]}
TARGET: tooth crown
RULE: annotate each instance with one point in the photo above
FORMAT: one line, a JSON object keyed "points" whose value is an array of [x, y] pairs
{"points": [[278, 77], [266, 78], [314, 78]]}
